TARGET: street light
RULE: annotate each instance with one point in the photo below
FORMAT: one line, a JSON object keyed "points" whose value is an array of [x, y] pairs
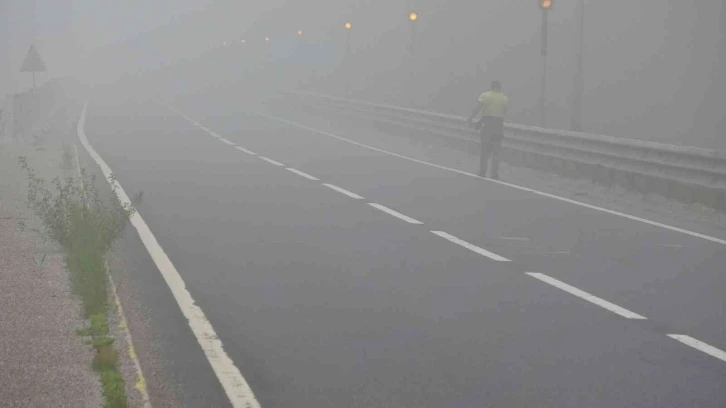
{"points": [[348, 26], [267, 39], [299, 32], [413, 17], [546, 6], [580, 75]]}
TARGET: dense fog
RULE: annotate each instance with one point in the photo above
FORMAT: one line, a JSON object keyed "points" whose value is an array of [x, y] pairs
{"points": [[653, 69]]}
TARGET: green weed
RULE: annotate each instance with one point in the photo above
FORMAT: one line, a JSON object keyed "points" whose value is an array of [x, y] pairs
{"points": [[85, 226]]}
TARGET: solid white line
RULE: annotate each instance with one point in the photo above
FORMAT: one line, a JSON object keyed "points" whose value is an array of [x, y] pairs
{"points": [[267, 159], [233, 383], [300, 173], [700, 346], [395, 213], [471, 247], [530, 190], [584, 295], [242, 149], [223, 140], [343, 191]]}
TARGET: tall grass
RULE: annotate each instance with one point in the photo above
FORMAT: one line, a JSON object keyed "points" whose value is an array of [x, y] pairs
{"points": [[85, 226]]}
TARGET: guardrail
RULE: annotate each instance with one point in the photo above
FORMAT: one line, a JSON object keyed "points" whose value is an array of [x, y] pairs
{"points": [[688, 174]]}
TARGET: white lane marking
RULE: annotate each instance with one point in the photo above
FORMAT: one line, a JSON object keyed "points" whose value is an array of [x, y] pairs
{"points": [[395, 213], [300, 173], [242, 149], [234, 384], [223, 140], [700, 346], [343, 191], [513, 239], [530, 190], [269, 160], [584, 295], [471, 247]]}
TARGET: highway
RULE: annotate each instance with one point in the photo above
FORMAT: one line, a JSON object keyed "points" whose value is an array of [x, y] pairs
{"points": [[337, 273]]}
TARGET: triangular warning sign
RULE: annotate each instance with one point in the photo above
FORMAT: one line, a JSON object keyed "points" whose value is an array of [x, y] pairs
{"points": [[33, 62]]}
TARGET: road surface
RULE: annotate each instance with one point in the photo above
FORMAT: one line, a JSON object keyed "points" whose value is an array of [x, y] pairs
{"points": [[337, 275]]}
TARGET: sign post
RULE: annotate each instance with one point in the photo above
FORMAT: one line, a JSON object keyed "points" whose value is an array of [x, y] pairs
{"points": [[33, 63]]}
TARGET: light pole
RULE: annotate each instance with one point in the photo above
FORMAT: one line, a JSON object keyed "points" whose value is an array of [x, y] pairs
{"points": [[348, 27], [413, 17], [579, 88], [545, 5]]}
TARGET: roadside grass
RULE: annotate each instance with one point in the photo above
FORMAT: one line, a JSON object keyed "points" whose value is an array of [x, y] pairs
{"points": [[85, 226]]}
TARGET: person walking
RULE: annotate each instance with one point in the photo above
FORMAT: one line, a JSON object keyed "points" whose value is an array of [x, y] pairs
{"points": [[492, 107]]}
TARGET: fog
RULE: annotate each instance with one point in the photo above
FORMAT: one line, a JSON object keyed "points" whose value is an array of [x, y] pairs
{"points": [[653, 69]]}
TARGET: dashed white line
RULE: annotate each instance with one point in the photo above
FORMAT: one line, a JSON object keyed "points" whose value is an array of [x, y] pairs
{"points": [[234, 384], [700, 346], [223, 140], [395, 213], [584, 295], [300, 173], [530, 190], [343, 191], [267, 159], [471, 247], [242, 149]]}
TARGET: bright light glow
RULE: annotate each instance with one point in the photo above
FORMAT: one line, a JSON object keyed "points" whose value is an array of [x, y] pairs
{"points": [[299, 32], [348, 25], [414, 15], [546, 4], [267, 39]]}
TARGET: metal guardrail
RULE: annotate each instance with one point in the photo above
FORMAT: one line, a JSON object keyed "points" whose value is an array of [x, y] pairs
{"points": [[688, 174]]}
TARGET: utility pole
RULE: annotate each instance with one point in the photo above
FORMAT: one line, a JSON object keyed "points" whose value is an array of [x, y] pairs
{"points": [[579, 88]]}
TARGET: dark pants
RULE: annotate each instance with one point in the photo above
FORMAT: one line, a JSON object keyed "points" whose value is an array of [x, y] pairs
{"points": [[492, 135]]}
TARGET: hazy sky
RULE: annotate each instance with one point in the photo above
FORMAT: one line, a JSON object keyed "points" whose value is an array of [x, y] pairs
{"points": [[63, 30]]}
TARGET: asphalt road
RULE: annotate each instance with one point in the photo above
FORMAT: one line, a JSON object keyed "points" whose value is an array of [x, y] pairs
{"points": [[325, 300]]}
